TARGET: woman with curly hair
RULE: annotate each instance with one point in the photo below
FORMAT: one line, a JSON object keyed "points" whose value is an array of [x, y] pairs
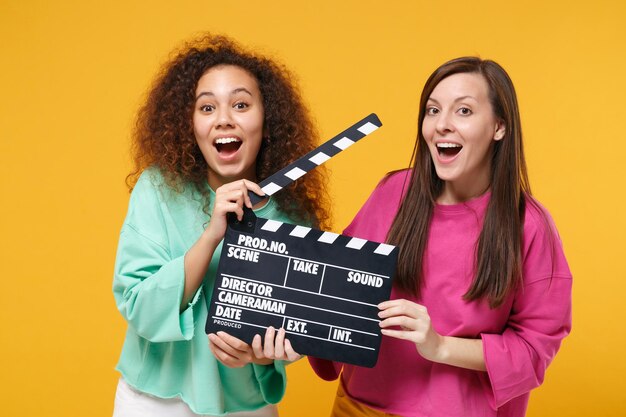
{"points": [[217, 120]]}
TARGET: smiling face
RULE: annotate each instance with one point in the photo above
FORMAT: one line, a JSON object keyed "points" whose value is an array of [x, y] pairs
{"points": [[460, 129], [228, 123]]}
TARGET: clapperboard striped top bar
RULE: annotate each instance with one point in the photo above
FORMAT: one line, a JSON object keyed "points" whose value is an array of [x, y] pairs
{"points": [[318, 156], [328, 237]]}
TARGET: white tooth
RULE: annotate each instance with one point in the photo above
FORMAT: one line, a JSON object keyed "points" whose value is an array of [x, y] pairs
{"points": [[448, 145], [222, 141]]}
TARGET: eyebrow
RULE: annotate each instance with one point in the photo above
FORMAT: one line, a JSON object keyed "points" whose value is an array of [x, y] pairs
{"points": [[456, 99], [232, 93]]}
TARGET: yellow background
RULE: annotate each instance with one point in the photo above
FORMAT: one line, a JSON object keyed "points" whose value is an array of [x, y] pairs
{"points": [[74, 72]]}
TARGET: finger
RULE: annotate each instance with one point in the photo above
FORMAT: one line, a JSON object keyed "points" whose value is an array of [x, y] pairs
{"points": [[257, 346], [397, 334], [229, 192], [279, 347], [234, 342], [238, 189], [219, 348], [400, 321], [222, 356], [254, 187], [240, 202], [238, 212], [404, 309], [234, 185], [388, 304], [292, 355], [391, 311], [398, 302], [268, 346], [227, 348], [218, 353], [246, 196], [237, 197], [223, 207], [232, 196], [392, 308]]}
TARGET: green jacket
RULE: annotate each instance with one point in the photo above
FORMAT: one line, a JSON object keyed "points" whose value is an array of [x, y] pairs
{"points": [[166, 351]]}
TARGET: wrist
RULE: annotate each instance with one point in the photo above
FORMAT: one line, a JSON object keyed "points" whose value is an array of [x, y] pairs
{"points": [[210, 239], [263, 361], [443, 350]]}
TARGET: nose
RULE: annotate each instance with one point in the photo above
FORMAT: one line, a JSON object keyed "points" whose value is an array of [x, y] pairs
{"points": [[444, 123], [224, 118]]}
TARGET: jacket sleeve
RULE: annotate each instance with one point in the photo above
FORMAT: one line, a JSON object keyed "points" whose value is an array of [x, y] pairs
{"points": [[272, 380], [148, 283], [541, 316]]}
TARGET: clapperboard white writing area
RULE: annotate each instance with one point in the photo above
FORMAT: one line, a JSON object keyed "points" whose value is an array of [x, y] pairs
{"points": [[321, 287]]}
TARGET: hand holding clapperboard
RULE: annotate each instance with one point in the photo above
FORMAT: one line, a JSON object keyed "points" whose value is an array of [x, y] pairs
{"points": [[321, 287]]}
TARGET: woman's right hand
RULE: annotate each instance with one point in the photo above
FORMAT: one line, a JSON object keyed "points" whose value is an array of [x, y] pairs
{"points": [[229, 198]]}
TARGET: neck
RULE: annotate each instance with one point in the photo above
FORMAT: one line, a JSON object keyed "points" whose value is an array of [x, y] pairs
{"points": [[455, 193], [216, 180]]}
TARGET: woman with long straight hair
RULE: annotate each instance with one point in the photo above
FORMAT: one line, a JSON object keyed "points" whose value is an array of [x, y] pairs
{"points": [[482, 295]]}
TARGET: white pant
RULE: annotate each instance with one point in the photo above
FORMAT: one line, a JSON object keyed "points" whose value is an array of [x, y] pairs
{"points": [[132, 403]]}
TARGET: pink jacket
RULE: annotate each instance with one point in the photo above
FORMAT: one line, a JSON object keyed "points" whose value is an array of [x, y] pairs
{"points": [[520, 338]]}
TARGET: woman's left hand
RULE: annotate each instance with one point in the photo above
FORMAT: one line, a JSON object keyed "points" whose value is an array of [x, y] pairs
{"points": [[415, 325]]}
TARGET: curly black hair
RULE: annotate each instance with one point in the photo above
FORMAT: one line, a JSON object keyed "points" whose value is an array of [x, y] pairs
{"points": [[163, 135]]}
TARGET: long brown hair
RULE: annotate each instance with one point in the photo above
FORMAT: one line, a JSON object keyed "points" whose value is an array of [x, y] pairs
{"points": [[163, 135], [498, 251]]}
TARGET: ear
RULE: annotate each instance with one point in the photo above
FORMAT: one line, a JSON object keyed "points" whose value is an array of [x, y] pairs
{"points": [[500, 130]]}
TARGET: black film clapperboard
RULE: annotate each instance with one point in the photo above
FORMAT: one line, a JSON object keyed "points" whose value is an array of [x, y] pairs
{"points": [[321, 287]]}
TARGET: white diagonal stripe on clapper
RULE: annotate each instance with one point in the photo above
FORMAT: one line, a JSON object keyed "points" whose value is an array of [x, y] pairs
{"points": [[295, 173], [384, 249], [367, 128], [343, 143], [356, 243], [319, 158], [328, 237], [271, 225], [271, 188], [300, 231]]}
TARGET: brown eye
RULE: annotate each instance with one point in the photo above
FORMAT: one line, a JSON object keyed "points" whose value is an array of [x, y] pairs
{"points": [[207, 108], [241, 106], [464, 111]]}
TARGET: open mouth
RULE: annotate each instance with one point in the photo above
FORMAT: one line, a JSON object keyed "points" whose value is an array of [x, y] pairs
{"points": [[227, 146], [448, 149]]}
